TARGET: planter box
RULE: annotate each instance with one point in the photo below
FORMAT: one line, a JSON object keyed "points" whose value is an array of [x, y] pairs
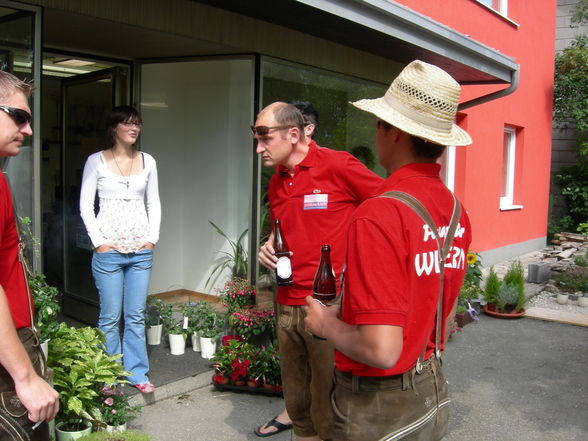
{"points": [[463, 319], [251, 390]]}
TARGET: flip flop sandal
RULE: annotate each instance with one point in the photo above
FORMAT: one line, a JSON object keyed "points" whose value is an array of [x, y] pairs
{"points": [[145, 388], [272, 423]]}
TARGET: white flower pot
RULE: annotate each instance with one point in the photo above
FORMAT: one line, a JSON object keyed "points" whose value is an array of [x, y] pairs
{"points": [[583, 301], [208, 347], [196, 343], [112, 429], [562, 299], [45, 348], [154, 334], [177, 344], [69, 436]]}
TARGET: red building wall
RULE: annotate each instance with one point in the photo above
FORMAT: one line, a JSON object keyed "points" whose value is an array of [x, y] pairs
{"points": [[529, 108]]}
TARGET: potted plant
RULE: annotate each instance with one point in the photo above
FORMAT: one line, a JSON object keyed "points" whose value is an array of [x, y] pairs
{"points": [[153, 323], [251, 323], [235, 260], [237, 294], [175, 330], [210, 325], [506, 299], [115, 409], [46, 301], [191, 312], [232, 361], [81, 367]]}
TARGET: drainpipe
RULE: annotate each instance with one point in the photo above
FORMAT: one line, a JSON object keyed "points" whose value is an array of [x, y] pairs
{"points": [[514, 84]]}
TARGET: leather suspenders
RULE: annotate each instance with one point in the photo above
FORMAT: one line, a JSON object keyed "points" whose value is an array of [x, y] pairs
{"points": [[443, 247]]}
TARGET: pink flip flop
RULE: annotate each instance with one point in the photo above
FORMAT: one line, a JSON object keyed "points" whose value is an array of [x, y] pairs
{"points": [[145, 388]]}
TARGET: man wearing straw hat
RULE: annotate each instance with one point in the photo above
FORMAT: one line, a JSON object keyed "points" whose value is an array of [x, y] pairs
{"points": [[388, 382]]}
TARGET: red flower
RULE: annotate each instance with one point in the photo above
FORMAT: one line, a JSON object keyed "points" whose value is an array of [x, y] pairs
{"points": [[109, 401]]}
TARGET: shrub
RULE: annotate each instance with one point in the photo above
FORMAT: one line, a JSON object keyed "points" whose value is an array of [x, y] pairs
{"points": [[573, 280], [492, 287], [126, 435], [515, 276], [507, 297]]}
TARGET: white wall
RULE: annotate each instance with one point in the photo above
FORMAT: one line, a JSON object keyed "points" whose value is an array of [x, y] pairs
{"points": [[196, 124]]}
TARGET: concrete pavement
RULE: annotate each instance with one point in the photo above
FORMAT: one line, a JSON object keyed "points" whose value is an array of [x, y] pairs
{"points": [[521, 380]]}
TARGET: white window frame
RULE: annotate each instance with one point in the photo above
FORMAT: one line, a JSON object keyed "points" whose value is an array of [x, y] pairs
{"points": [[508, 187], [448, 164], [501, 7]]}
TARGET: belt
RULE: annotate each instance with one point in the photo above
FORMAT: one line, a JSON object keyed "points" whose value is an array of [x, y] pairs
{"points": [[357, 383]]}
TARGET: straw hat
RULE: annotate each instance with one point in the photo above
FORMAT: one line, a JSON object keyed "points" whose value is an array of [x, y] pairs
{"points": [[422, 101]]}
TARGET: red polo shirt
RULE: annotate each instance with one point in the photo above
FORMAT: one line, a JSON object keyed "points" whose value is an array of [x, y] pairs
{"points": [[314, 208], [391, 276], [11, 274]]}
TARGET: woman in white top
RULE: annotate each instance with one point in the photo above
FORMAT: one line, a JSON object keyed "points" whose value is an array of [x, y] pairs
{"points": [[123, 234]]}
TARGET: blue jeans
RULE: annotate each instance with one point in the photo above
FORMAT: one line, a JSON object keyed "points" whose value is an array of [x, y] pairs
{"points": [[122, 281]]}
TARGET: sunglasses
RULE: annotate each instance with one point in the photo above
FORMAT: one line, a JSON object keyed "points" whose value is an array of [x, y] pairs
{"points": [[19, 116], [264, 130]]}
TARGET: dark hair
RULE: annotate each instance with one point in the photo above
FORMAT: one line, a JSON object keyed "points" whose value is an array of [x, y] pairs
{"points": [[309, 114], [119, 115], [288, 115], [426, 149]]}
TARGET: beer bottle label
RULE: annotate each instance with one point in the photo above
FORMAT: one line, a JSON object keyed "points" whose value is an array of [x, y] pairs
{"points": [[284, 267]]}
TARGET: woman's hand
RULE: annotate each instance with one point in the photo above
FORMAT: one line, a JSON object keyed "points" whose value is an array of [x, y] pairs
{"points": [[106, 247], [145, 246]]}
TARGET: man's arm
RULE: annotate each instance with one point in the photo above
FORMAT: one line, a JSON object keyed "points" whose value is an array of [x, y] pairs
{"points": [[378, 346], [40, 399]]}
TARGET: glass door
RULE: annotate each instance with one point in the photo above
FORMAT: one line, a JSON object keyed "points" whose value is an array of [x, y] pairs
{"points": [[86, 101], [20, 54]]}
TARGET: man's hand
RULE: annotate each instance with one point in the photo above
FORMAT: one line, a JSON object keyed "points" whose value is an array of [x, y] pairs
{"points": [[317, 315], [40, 399], [267, 254]]}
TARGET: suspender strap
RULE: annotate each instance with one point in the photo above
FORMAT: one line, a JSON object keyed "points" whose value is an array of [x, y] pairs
{"points": [[443, 248]]}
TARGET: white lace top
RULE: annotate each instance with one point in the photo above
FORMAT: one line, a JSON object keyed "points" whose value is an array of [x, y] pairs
{"points": [[129, 212]]}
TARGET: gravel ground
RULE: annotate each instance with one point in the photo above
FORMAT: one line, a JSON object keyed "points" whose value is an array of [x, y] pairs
{"points": [[548, 300]]}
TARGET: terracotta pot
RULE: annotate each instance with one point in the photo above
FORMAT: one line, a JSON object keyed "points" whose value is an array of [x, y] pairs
{"points": [[252, 383], [239, 382], [505, 315], [220, 379], [268, 386]]}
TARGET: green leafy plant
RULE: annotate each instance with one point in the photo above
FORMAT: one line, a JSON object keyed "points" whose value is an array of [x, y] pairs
{"points": [[574, 279], [583, 228], [237, 294], [492, 287], [171, 323], [46, 300], [153, 314], [235, 260], [81, 367], [115, 406], [474, 269], [507, 297], [125, 435], [210, 322]]}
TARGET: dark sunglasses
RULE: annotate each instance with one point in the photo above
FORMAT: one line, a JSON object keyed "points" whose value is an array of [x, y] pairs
{"points": [[264, 130], [19, 116]]}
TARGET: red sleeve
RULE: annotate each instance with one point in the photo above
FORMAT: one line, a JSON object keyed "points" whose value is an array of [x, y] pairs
{"points": [[376, 279], [361, 181]]}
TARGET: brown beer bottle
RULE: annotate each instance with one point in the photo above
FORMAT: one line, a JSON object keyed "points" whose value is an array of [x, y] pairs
{"points": [[324, 288], [283, 265]]}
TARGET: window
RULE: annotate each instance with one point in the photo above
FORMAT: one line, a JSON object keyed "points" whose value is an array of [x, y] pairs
{"points": [[500, 6], [509, 155]]}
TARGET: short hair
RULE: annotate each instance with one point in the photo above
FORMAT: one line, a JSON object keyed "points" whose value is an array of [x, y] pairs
{"points": [[119, 115], [288, 115], [309, 114], [426, 149], [9, 85], [421, 147]]}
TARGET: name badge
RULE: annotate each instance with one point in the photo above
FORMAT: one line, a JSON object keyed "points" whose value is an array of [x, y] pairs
{"points": [[316, 201]]}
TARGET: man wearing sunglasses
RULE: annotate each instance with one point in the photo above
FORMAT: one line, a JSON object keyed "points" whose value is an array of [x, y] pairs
{"points": [[313, 193], [28, 402]]}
